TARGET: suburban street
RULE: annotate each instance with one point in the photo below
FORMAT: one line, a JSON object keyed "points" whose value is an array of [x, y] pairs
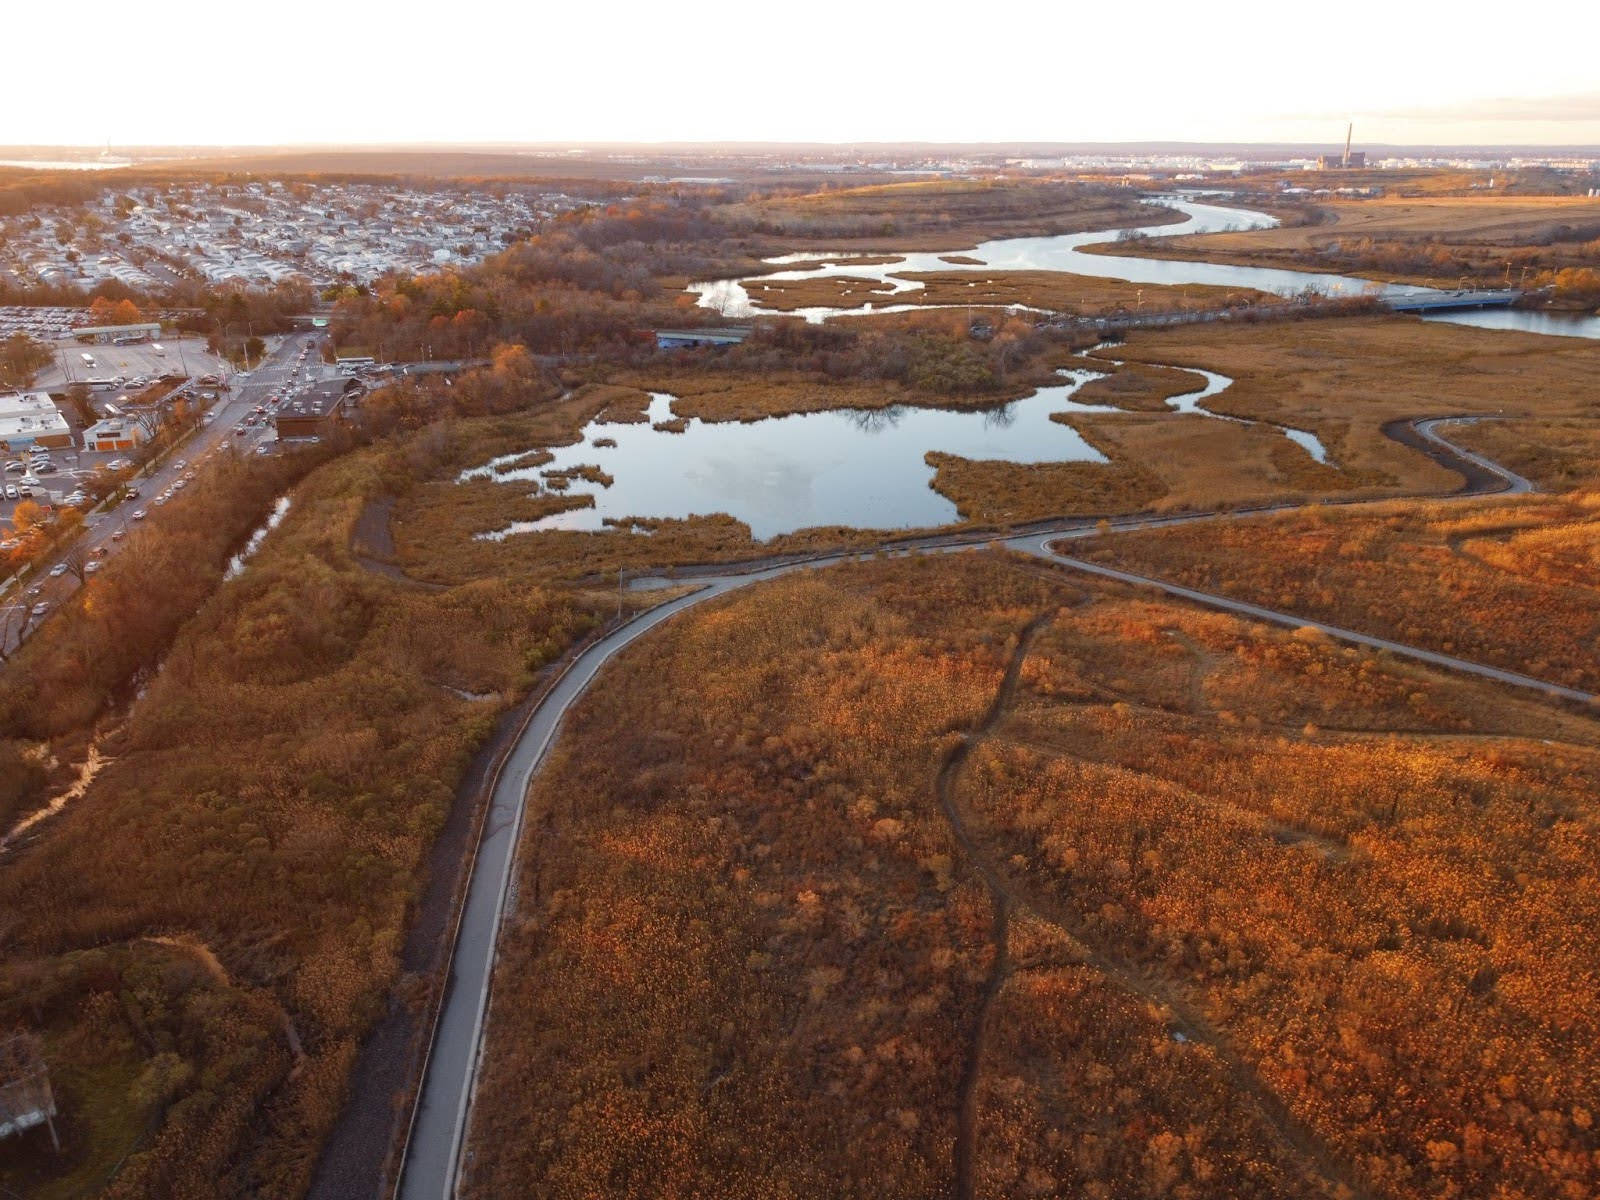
{"points": [[222, 435]]}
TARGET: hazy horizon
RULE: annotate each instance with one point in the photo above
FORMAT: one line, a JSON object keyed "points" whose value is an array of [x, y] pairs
{"points": [[840, 73]]}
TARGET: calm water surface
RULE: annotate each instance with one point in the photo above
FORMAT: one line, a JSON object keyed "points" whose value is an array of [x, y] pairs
{"points": [[859, 468]]}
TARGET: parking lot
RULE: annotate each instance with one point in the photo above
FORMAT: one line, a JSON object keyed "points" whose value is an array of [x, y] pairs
{"points": [[186, 356]]}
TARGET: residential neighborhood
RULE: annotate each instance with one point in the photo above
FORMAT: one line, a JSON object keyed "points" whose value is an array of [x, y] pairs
{"points": [[150, 238]]}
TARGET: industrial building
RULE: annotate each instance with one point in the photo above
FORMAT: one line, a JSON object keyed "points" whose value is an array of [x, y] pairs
{"points": [[316, 411], [32, 419], [1350, 160]]}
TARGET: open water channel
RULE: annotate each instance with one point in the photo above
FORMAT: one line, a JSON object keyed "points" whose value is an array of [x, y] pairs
{"points": [[867, 468]]}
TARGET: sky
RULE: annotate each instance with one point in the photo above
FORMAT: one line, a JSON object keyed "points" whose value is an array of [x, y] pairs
{"points": [[589, 71]]}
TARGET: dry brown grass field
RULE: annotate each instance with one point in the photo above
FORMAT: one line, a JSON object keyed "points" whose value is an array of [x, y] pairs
{"points": [[1344, 378], [1428, 240], [954, 877], [1138, 387], [1058, 291], [1559, 454], [941, 214], [1514, 583]]}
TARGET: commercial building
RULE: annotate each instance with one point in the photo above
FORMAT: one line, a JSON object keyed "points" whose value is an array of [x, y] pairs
{"points": [[316, 411], [32, 419], [115, 435], [106, 334]]}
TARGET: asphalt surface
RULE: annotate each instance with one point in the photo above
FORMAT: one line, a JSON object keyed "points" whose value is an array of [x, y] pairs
{"points": [[228, 415], [434, 1153]]}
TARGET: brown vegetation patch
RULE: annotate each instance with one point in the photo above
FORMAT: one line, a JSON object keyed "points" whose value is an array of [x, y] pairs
{"points": [[944, 214], [752, 945], [1140, 387], [1343, 378], [1513, 583], [823, 291], [1060, 291], [1557, 454]]}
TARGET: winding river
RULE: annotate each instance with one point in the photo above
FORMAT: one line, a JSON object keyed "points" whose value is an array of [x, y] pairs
{"points": [[1065, 253]]}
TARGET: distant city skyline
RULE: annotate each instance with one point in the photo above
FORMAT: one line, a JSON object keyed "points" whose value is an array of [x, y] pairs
{"points": [[838, 71]]}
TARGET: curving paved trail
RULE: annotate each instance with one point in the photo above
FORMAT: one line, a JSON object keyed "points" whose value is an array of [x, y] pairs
{"points": [[432, 1157]]}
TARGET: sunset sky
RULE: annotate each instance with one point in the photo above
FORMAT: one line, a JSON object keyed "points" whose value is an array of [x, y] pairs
{"points": [[831, 71]]}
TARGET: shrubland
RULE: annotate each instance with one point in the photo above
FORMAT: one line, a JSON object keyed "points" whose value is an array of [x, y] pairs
{"points": [[1514, 583], [952, 876]]}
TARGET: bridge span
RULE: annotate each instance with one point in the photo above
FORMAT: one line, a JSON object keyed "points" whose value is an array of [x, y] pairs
{"points": [[1431, 301]]}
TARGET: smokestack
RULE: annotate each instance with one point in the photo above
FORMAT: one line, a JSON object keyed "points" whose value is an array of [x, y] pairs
{"points": [[1348, 134]]}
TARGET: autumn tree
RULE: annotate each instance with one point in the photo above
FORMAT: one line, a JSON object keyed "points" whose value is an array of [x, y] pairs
{"points": [[21, 358], [104, 311], [27, 515]]}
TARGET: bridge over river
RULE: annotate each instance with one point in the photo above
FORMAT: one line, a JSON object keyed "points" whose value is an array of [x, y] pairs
{"points": [[1446, 301]]}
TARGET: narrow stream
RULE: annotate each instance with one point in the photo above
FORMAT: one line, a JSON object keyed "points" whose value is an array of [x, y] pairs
{"points": [[236, 564]]}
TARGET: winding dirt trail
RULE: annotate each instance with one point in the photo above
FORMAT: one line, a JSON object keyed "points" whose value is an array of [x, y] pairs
{"points": [[1007, 894]]}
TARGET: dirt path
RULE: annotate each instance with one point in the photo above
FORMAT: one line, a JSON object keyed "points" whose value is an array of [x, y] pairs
{"points": [[372, 544], [1303, 1147]]}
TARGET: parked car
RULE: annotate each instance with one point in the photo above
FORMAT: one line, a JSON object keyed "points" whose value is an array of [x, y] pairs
{"points": [[93, 565], [15, 467], [117, 535], [57, 571], [11, 492], [139, 514], [45, 468], [41, 608]]}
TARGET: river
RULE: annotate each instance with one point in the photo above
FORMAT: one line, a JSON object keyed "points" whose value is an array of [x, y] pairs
{"points": [[1065, 253]]}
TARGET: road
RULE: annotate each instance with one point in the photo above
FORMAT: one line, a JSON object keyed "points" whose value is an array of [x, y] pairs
{"points": [[100, 530], [434, 1152]]}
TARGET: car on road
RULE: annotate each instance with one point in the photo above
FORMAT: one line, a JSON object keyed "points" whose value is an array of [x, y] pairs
{"points": [[138, 515], [241, 432], [57, 571], [118, 534]]}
